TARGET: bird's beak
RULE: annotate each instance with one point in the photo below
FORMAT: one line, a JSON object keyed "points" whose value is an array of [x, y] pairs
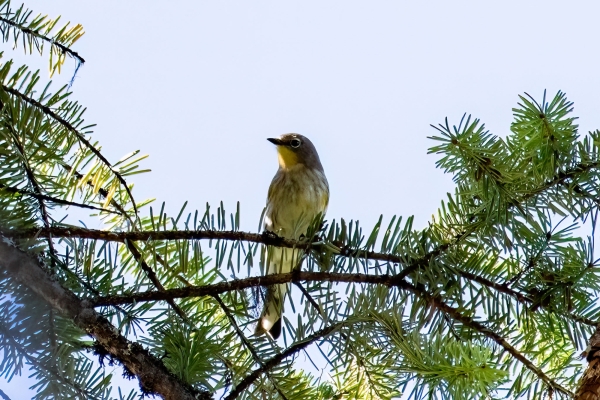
{"points": [[277, 142]]}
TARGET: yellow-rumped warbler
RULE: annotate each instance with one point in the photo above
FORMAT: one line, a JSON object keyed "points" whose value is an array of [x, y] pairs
{"points": [[299, 193]]}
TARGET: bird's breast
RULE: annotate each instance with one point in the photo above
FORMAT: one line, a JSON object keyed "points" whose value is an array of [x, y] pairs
{"points": [[296, 197]]}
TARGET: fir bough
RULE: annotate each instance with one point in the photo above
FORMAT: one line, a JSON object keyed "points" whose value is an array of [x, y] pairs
{"points": [[496, 297]]}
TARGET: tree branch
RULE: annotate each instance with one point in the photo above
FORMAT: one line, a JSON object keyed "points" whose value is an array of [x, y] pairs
{"points": [[44, 214], [438, 303], [520, 297], [387, 280], [3, 395], [296, 277], [561, 177], [62, 47], [48, 111], [273, 362], [56, 200], [33, 361], [76, 232], [151, 372], [310, 299], [121, 237], [103, 192], [239, 284], [154, 279], [247, 343]]}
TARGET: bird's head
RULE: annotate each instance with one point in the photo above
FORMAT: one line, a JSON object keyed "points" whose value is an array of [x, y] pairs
{"points": [[294, 149]]}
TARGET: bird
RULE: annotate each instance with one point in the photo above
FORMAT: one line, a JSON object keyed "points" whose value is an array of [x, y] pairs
{"points": [[298, 195]]}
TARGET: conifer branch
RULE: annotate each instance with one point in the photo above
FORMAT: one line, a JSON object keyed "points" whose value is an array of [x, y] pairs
{"points": [[583, 193], [154, 278], [3, 395], [387, 280], [276, 360], [133, 249], [438, 303], [518, 296], [34, 362], [56, 200], [424, 261], [48, 111], [237, 329], [121, 237], [30, 177], [561, 177], [359, 359], [103, 192], [77, 232], [247, 343], [151, 372], [309, 298], [45, 218], [64, 49], [240, 284], [499, 287], [86, 285]]}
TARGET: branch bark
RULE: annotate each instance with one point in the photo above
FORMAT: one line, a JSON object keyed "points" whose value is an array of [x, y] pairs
{"points": [[151, 372], [239, 284], [589, 384], [121, 237]]}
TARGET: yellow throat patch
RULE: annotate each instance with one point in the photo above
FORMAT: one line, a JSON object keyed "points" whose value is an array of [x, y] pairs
{"points": [[287, 158]]}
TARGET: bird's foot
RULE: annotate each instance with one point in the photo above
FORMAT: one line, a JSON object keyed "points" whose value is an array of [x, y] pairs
{"points": [[270, 237]]}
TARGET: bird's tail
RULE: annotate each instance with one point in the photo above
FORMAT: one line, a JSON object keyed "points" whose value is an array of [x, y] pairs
{"points": [[281, 260], [270, 318]]}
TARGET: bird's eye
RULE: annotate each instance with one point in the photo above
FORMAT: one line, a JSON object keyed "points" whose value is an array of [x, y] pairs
{"points": [[295, 143]]}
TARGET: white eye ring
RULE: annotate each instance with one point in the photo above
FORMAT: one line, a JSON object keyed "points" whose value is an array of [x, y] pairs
{"points": [[295, 143]]}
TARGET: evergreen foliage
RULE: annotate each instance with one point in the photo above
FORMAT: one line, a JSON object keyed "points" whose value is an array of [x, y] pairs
{"points": [[496, 297]]}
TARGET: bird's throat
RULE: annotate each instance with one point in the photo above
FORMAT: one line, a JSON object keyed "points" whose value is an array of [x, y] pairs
{"points": [[287, 158]]}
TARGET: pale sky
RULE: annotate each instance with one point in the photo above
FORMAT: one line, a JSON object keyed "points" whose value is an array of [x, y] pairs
{"points": [[200, 85]]}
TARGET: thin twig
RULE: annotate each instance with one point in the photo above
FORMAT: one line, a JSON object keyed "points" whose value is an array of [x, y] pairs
{"points": [[134, 250], [583, 193], [48, 111], [520, 297], [62, 47], [359, 359], [247, 343], [276, 360], [86, 285], [154, 278], [56, 200], [101, 191], [310, 299], [45, 218], [561, 177], [499, 287]]}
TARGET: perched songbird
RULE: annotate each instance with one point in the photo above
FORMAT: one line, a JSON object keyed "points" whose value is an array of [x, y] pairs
{"points": [[299, 193]]}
